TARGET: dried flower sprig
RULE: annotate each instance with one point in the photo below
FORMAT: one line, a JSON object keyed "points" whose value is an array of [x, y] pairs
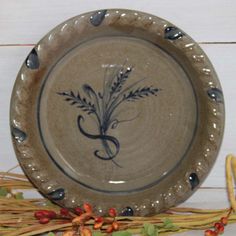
{"points": [[220, 225], [27, 217], [79, 222]]}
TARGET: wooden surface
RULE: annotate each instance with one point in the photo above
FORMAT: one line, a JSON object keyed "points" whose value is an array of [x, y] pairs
{"points": [[210, 22]]}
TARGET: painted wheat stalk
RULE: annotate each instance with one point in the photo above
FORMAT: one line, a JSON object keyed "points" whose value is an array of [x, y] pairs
{"points": [[102, 106]]}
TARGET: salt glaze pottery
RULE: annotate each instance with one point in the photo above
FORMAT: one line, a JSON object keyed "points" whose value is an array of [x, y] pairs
{"points": [[117, 108]]}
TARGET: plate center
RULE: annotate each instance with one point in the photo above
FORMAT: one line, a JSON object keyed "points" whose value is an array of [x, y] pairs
{"points": [[117, 114]]}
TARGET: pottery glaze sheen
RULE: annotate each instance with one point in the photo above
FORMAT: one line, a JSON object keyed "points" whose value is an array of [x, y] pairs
{"points": [[117, 108]]}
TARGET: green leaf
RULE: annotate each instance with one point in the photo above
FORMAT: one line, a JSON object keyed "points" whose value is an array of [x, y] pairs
{"points": [[168, 224], [167, 221], [145, 227], [97, 233], [19, 196], [3, 192], [51, 234], [149, 229], [122, 233]]}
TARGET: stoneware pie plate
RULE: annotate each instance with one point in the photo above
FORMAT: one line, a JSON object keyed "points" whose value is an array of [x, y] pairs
{"points": [[117, 108]]}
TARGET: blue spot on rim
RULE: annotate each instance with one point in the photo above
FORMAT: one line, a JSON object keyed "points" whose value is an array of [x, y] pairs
{"points": [[18, 134], [58, 194], [193, 180], [97, 18], [215, 94], [32, 61], [128, 211], [173, 33]]}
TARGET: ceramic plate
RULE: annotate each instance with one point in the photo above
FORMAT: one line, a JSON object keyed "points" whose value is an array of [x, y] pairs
{"points": [[118, 108]]}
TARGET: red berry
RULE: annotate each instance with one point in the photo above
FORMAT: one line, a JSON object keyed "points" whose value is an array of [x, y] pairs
{"points": [[44, 220], [109, 229], [45, 214], [221, 229], [210, 232], [217, 225], [98, 219], [78, 211], [112, 212], [115, 225], [50, 214], [98, 225], [87, 207], [38, 214], [64, 211], [224, 220]]}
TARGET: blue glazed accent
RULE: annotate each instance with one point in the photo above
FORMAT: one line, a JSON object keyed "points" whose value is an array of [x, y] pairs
{"points": [[18, 134], [193, 180], [102, 105], [215, 94], [173, 33], [57, 195], [97, 18], [32, 60], [128, 211]]}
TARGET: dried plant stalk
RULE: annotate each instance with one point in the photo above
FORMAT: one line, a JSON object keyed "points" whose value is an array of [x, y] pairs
{"points": [[229, 180], [17, 215]]}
